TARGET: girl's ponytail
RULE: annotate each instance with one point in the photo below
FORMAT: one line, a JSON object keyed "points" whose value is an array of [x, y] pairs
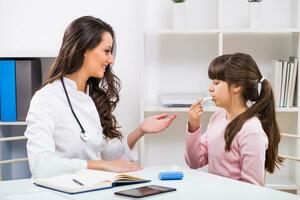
{"points": [[265, 107]]}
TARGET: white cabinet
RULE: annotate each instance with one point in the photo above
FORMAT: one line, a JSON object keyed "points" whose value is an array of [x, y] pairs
{"points": [[176, 61]]}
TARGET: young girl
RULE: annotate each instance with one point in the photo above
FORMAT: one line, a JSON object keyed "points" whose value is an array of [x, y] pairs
{"points": [[241, 141]]}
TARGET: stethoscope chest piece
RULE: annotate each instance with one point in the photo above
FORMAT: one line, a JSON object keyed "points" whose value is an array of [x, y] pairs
{"points": [[84, 136]]}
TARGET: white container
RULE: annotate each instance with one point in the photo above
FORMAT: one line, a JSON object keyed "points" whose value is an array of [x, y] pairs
{"points": [[178, 15], [254, 14]]}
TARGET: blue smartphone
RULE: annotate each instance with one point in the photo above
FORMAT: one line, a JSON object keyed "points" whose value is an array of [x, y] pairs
{"points": [[145, 191]]}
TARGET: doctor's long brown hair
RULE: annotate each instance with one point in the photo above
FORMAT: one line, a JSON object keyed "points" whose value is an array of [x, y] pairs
{"points": [[240, 69], [83, 34]]}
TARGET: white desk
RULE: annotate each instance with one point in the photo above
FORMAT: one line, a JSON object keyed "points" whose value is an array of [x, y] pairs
{"points": [[195, 185]]}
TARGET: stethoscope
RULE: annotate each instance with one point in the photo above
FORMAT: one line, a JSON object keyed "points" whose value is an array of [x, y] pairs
{"points": [[83, 135]]}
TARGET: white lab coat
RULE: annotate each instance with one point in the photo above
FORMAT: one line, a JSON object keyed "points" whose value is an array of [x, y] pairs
{"points": [[54, 144]]}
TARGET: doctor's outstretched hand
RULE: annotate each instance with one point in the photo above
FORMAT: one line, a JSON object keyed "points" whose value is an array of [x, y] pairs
{"points": [[157, 123], [152, 124]]}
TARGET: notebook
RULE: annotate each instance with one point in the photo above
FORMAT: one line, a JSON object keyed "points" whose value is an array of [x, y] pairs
{"points": [[87, 180]]}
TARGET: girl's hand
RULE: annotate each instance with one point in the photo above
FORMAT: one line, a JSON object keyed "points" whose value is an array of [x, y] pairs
{"points": [[194, 116], [113, 165], [157, 123]]}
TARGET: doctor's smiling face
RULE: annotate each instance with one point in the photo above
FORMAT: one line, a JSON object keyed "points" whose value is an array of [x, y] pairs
{"points": [[97, 59]]}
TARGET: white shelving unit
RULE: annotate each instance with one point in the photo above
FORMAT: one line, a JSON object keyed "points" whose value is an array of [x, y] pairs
{"points": [[176, 61], [13, 154]]}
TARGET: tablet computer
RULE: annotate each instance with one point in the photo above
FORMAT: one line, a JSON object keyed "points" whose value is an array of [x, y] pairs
{"points": [[145, 191]]}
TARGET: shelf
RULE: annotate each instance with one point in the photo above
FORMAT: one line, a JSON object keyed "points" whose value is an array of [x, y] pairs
{"points": [[13, 161], [32, 54], [159, 108], [5, 139], [293, 158], [292, 109], [281, 183], [19, 123], [203, 31], [188, 31], [268, 31], [290, 135]]}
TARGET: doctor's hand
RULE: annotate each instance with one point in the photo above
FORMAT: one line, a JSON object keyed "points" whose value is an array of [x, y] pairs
{"points": [[194, 113], [113, 165], [157, 123]]}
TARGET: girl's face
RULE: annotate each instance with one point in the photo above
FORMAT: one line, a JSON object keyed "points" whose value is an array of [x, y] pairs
{"points": [[97, 59], [220, 92]]}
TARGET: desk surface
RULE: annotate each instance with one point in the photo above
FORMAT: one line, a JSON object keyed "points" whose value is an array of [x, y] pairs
{"points": [[195, 185]]}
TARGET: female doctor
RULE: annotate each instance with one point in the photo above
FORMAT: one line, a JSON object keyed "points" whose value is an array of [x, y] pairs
{"points": [[70, 122]]}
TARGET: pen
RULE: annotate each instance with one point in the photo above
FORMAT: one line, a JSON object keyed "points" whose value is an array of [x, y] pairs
{"points": [[78, 182]]}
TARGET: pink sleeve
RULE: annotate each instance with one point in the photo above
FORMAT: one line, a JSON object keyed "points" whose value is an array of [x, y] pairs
{"points": [[252, 150], [196, 149]]}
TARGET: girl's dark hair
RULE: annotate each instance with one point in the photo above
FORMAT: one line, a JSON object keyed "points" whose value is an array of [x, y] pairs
{"points": [[241, 69], [85, 33]]}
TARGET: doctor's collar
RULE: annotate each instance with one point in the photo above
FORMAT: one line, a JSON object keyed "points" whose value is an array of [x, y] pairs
{"points": [[70, 83], [73, 85]]}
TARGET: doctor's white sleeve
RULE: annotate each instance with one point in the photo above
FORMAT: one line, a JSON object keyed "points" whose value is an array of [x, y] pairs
{"points": [[41, 120]]}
